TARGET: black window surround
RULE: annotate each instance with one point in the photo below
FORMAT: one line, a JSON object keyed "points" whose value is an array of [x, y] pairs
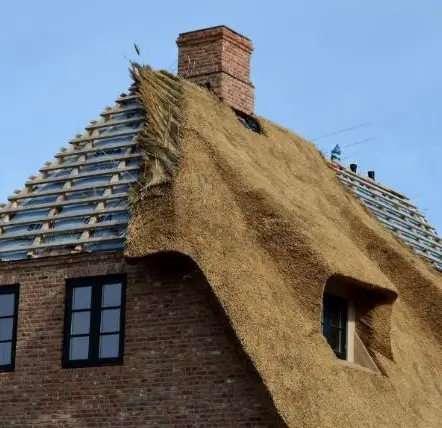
{"points": [[334, 323], [9, 296], [94, 321]]}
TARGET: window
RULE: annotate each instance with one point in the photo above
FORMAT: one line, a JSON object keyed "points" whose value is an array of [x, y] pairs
{"points": [[249, 122], [8, 326], [94, 321], [334, 323], [207, 85]]}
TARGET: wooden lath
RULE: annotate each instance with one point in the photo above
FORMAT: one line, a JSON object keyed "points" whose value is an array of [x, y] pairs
{"points": [[14, 210], [119, 110], [75, 152], [109, 123], [126, 98], [83, 175], [115, 179], [396, 213], [63, 244], [378, 187], [70, 190], [103, 136], [101, 161], [58, 217]]}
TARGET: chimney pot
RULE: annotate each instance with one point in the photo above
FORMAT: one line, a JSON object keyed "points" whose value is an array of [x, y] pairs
{"points": [[371, 175], [220, 57], [353, 167]]}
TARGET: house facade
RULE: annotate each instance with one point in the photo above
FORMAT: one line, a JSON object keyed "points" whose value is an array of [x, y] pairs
{"points": [[149, 283], [180, 364]]}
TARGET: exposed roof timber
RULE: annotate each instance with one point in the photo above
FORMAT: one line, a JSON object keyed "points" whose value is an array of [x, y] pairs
{"points": [[104, 159], [58, 217], [103, 136], [59, 231], [428, 257], [99, 172], [376, 186], [395, 212], [437, 249], [109, 123], [96, 149], [121, 195], [126, 98], [383, 205], [118, 110], [118, 170], [62, 244], [68, 190], [413, 231]]}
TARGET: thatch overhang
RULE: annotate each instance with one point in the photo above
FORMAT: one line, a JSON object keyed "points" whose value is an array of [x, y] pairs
{"points": [[269, 223]]}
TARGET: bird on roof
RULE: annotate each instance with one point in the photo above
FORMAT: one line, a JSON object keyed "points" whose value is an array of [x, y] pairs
{"points": [[137, 49]]}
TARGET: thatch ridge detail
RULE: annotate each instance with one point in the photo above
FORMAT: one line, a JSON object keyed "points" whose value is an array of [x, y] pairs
{"points": [[162, 97]]}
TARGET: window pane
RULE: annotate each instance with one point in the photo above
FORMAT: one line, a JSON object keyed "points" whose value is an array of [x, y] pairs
{"points": [[335, 309], [81, 298], [335, 339], [110, 320], [109, 346], [80, 322], [7, 304], [5, 353], [79, 348], [111, 295], [334, 314], [6, 328]]}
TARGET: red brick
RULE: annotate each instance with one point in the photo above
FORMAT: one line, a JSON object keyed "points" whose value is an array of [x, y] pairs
{"points": [[221, 57], [183, 365]]}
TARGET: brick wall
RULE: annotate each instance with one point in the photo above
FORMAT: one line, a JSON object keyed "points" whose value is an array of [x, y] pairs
{"points": [[182, 368], [222, 57]]}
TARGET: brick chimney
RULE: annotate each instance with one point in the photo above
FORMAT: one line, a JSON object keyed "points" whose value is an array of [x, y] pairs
{"points": [[218, 58]]}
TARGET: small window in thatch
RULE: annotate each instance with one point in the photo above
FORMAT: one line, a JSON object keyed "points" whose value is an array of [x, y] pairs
{"points": [[334, 323], [347, 310], [207, 85], [249, 122]]}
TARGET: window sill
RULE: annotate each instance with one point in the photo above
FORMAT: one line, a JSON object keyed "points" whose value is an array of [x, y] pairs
{"points": [[358, 367]]}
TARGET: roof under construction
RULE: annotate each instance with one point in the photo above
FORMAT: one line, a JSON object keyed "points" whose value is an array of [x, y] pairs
{"points": [[271, 225], [397, 213], [78, 201]]}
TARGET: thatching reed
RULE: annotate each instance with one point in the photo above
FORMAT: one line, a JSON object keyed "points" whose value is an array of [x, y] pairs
{"points": [[162, 97], [269, 224]]}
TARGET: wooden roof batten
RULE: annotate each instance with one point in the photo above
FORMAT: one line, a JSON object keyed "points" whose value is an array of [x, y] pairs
{"points": [[395, 212], [90, 197]]}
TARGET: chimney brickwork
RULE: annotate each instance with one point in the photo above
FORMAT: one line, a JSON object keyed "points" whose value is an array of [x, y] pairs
{"points": [[219, 57]]}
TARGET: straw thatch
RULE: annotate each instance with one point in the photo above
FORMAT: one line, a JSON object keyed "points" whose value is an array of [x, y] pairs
{"points": [[162, 96], [269, 224]]}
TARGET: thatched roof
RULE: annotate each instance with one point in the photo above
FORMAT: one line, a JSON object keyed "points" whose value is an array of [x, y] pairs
{"points": [[269, 223]]}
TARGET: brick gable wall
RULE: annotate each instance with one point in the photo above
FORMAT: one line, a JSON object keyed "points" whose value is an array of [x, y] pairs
{"points": [[182, 366]]}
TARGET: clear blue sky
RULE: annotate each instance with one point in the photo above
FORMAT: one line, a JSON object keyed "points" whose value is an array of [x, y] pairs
{"points": [[318, 67]]}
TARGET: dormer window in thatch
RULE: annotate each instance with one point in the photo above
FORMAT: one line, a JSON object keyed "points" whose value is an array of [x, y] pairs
{"points": [[334, 321], [352, 321]]}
